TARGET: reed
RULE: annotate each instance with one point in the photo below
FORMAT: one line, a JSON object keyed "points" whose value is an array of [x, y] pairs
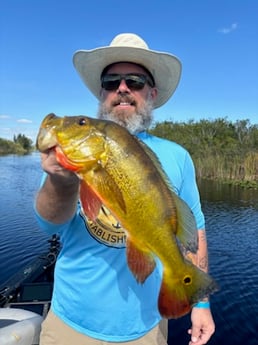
{"points": [[221, 150]]}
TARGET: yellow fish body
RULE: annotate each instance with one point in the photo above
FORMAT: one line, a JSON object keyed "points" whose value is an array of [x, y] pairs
{"points": [[119, 172]]}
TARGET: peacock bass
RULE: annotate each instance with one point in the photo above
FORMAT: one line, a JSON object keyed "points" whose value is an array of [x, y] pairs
{"points": [[122, 174]]}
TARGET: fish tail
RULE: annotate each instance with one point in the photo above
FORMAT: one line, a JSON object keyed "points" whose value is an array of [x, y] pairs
{"points": [[179, 293]]}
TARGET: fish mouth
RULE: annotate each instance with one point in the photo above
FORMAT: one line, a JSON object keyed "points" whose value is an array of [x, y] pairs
{"points": [[46, 140]]}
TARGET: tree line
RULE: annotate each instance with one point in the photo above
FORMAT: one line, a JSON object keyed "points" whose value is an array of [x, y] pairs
{"points": [[20, 145], [220, 149]]}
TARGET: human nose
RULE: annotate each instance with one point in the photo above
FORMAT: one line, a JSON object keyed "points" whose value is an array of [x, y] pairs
{"points": [[123, 87]]}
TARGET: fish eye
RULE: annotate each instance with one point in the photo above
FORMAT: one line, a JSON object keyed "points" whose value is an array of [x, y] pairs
{"points": [[82, 121], [187, 280]]}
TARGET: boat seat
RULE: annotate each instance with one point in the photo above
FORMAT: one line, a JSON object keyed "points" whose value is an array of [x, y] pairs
{"points": [[19, 327], [6, 322]]}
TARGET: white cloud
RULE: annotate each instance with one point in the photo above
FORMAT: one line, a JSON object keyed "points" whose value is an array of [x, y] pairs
{"points": [[4, 117], [229, 29], [24, 121]]}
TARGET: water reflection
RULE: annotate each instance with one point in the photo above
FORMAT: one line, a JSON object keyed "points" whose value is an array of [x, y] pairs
{"points": [[214, 191]]}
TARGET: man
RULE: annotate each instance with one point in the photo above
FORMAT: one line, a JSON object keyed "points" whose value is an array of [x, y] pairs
{"points": [[96, 299]]}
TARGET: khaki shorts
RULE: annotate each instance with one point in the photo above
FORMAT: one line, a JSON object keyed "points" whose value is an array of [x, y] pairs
{"points": [[56, 332]]}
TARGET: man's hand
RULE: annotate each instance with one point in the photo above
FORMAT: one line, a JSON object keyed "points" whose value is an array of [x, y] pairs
{"points": [[58, 197], [202, 326]]}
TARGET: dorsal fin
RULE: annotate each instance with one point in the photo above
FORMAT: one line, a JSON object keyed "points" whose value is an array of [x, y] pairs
{"points": [[155, 160], [186, 224]]}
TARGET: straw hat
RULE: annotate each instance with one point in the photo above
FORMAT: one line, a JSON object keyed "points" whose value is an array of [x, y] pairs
{"points": [[165, 68]]}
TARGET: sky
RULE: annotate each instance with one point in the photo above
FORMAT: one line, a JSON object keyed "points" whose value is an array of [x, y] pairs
{"points": [[216, 41]]}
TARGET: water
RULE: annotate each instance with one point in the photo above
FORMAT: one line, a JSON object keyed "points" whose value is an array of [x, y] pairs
{"points": [[21, 240], [232, 232]]}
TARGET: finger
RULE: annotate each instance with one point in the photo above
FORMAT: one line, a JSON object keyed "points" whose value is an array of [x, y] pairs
{"points": [[202, 339], [195, 334], [50, 164]]}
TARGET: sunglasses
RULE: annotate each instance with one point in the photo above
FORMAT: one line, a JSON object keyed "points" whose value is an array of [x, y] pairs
{"points": [[134, 81]]}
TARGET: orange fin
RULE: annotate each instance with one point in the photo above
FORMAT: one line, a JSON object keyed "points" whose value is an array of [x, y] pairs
{"points": [[140, 263], [91, 203], [181, 289], [170, 306]]}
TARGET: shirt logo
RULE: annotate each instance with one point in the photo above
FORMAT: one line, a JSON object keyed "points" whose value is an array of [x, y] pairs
{"points": [[106, 229]]}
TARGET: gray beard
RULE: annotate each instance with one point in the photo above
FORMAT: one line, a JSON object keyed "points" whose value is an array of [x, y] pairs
{"points": [[134, 123]]}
